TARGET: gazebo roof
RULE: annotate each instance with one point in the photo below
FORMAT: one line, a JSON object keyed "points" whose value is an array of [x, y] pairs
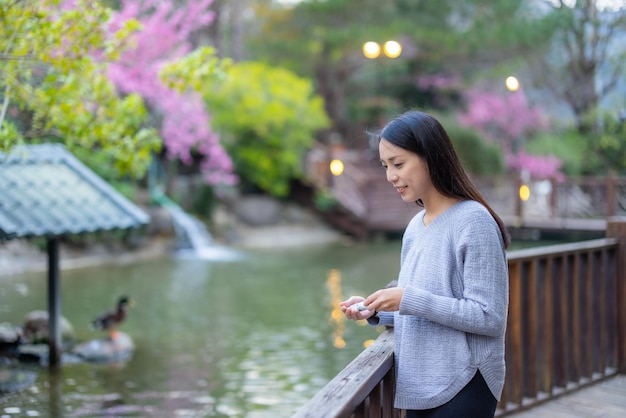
{"points": [[46, 191]]}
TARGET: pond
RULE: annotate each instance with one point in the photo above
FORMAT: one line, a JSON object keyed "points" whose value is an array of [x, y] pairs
{"points": [[248, 337], [251, 337]]}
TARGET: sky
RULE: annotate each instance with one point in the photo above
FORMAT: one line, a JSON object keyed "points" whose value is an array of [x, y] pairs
{"points": [[602, 4]]}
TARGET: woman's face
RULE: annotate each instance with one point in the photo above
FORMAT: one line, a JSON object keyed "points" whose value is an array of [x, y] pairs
{"points": [[406, 171]]}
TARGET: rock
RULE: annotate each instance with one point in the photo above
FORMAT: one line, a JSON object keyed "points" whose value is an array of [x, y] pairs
{"points": [[160, 222], [40, 354], [35, 330], [10, 338], [9, 334], [34, 353], [106, 350], [258, 210]]}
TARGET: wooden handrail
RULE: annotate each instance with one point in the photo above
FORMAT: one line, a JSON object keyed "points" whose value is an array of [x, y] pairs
{"points": [[366, 384]]}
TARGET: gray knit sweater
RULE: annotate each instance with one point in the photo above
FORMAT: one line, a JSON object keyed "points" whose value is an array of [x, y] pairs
{"points": [[452, 316]]}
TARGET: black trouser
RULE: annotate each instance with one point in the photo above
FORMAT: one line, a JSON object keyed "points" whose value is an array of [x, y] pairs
{"points": [[473, 401]]}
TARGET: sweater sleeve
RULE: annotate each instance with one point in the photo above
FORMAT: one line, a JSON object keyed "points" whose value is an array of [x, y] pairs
{"points": [[481, 267], [382, 318]]}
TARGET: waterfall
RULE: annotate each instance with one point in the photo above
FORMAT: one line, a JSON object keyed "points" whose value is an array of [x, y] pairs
{"points": [[193, 240], [190, 232]]}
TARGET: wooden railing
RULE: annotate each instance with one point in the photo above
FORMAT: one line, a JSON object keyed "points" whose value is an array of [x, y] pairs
{"points": [[566, 329], [563, 320], [365, 388], [573, 203]]}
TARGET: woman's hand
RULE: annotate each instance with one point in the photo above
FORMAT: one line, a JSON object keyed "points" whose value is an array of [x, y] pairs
{"points": [[387, 299], [351, 310]]}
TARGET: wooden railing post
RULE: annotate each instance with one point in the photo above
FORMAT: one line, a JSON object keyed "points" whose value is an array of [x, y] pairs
{"points": [[616, 228], [611, 194]]}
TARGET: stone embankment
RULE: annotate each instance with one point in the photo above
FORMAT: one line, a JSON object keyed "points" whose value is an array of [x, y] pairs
{"points": [[254, 223]]}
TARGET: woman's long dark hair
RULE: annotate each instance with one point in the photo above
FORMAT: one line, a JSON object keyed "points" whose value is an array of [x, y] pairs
{"points": [[422, 134]]}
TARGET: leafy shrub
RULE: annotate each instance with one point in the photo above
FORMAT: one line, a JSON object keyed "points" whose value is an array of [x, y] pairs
{"points": [[569, 147], [267, 118], [324, 200], [479, 157]]}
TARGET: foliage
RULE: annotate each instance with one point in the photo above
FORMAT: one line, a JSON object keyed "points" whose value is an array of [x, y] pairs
{"points": [[449, 38], [165, 71], [479, 157], [567, 146], [571, 51], [503, 118], [204, 202], [509, 121], [587, 58], [267, 118], [610, 144], [53, 84], [589, 153], [537, 166], [324, 200]]}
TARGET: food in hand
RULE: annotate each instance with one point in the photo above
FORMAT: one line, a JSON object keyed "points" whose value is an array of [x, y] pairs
{"points": [[359, 306]]}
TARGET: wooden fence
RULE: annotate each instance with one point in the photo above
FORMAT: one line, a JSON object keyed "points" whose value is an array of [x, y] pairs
{"points": [[566, 329]]}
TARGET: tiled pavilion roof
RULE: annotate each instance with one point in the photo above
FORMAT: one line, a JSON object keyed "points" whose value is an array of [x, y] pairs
{"points": [[46, 191]]}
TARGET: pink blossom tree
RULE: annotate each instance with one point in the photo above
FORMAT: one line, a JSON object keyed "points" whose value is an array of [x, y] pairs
{"points": [[509, 120], [181, 116]]}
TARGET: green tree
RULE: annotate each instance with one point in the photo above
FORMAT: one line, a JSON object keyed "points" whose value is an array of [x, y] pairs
{"points": [[580, 64], [323, 40], [448, 38], [609, 145], [479, 157], [586, 59], [267, 119], [53, 84]]}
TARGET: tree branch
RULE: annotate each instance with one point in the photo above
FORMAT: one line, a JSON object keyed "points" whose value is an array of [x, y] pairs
{"points": [[5, 104]]}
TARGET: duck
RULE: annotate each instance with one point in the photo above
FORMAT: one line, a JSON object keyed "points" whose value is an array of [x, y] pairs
{"points": [[109, 320]]}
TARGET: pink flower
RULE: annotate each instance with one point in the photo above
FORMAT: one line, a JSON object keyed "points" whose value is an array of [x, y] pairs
{"points": [[508, 120], [185, 124]]}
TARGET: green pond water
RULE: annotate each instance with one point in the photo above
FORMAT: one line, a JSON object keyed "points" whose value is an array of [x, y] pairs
{"points": [[247, 337]]}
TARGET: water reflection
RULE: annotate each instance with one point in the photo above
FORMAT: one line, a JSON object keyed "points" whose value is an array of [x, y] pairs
{"points": [[249, 337], [337, 318]]}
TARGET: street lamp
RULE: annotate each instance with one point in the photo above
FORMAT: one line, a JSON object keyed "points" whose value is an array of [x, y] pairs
{"points": [[511, 83], [336, 167], [378, 103], [391, 49], [371, 50], [524, 192]]}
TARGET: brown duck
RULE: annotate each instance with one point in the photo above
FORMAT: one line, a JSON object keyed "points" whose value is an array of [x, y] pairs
{"points": [[109, 320]]}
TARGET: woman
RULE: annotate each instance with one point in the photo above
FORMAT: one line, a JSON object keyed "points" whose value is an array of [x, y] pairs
{"points": [[449, 309]]}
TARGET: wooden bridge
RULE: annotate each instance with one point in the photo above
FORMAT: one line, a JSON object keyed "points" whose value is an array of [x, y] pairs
{"points": [[566, 337], [367, 204]]}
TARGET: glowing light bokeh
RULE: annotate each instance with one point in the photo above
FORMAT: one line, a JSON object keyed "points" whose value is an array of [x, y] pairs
{"points": [[512, 83], [392, 49], [524, 192], [371, 50], [336, 167]]}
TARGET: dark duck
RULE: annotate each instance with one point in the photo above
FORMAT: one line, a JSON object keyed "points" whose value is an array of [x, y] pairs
{"points": [[109, 320]]}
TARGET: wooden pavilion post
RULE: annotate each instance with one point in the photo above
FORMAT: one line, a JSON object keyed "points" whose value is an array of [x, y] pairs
{"points": [[616, 228], [54, 303]]}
